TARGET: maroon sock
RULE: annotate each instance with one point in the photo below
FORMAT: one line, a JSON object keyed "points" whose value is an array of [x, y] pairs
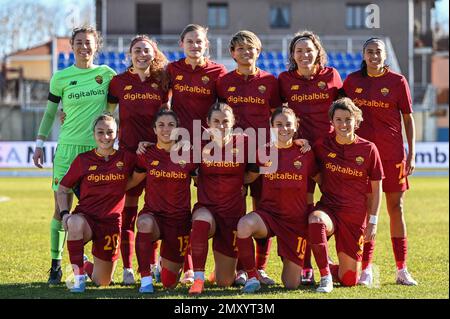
{"points": [[307, 260], [334, 271], [319, 245], [188, 264], [154, 252], [246, 251], [127, 235], [199, 244], [76, 252], [262, 252], [88, 268], [369, 247], [143, 252], [400, 246]]}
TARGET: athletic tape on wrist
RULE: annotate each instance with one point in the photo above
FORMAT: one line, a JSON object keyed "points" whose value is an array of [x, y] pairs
{"points": [[373, 219]]}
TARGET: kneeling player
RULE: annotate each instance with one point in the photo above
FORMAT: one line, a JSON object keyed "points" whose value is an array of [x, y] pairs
{"points": [[282, 211], [167, 210], [347, 164], [102, 175]]}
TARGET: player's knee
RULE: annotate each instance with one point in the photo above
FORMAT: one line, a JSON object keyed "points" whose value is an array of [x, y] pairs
{"points": [[144, 224], [316, 217], [169, 279], [75, 223], [102, 281], [291, 284], [349, 279], [245, 226]]}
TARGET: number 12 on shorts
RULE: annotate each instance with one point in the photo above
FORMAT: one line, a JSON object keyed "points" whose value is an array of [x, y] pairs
{"points": [[184, 242]]}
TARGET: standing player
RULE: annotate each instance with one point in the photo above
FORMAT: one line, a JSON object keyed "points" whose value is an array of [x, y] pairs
{"points": [[193, 87], [221, 202], [167, 210], [97, 215], [83, 89], [252, 93], [385, 99], [309, 88], [282, 210], [139, 93], [348, 165]]}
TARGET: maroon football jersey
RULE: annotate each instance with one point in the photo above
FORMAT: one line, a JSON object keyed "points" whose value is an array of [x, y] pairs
{"points": [[102, 183], [167, 189], [193, 90], [346, 170], [284, 191], [382, 100], [251, 99], [311, 99], [139, 101], [221, 178]]}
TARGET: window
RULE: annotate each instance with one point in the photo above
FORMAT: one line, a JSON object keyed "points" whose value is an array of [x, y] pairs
{"points": [[356, 15], [280, 16], [218, 15]]}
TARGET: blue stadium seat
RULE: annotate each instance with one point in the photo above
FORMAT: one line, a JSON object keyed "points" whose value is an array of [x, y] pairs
{"points": [[122, 56], [271, 66], [281, 65], [348, 56], [263, 56], [61, 65], [171, 56], [358, 56], [61, 57], [339, 56], [71, 58], [261, 64], [270, 56], [111, 55], [180, 55], [280, 56], [101, 58]]}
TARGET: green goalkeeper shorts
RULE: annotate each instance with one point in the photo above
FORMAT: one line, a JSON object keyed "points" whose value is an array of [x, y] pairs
{"points": [[64, 156]]}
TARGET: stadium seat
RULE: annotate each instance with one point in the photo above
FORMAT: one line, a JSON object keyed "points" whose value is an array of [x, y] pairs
{"points": [[122, 57], [111, 56], [71, 58], [261, 64], [171, 56], [263, 56], [280, 56], [281, 65], [101, 58], [339, 56], [61, 65], [270, 56], [180, 55]]}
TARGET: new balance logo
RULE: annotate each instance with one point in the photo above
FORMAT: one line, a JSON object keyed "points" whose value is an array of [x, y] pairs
{"points": [[73, 83]]}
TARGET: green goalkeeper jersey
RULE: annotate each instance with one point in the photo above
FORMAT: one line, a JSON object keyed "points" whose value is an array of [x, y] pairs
{"points": [[83, 93]]}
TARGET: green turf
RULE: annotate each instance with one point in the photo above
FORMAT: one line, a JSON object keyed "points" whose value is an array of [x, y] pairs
{"points": [[24, 250]]}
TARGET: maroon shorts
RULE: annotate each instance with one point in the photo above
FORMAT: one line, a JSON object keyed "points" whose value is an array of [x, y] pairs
{"points": [[291, 237], [137, 190], [105, 238], [224, 239], [348, 231], [395, 178], [174, 235]]}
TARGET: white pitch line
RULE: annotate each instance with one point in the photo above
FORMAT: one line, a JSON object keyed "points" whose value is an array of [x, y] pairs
{"points": [[4, 199]]}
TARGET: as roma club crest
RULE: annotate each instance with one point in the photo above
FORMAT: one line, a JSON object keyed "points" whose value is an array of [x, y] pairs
{"points": [[154, 86], [119, 165], [56, 181], [235, 151], [322, 85], [359, 160], [99, 79], [385, 91], [205, 79], [262, 89], [182, 163], [298, 164]]}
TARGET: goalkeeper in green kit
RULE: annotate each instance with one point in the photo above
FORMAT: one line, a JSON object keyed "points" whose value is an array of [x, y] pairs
{"points": [[82, 88]]}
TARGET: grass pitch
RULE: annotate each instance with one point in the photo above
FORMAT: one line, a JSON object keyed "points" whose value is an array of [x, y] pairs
{"points": [[26, 206]]}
